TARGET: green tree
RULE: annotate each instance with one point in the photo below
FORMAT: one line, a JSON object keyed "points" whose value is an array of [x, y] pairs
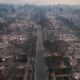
{"points": [[58, 46]]}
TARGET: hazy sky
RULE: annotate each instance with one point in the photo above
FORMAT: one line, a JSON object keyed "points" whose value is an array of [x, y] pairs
{"points": [[42, 1]]}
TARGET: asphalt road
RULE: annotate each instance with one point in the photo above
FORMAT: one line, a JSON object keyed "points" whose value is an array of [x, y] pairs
{"points": [[40, 66]]}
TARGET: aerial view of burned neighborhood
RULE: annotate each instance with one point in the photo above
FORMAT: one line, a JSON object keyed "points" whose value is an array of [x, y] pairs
{"points": [[39, 42]]}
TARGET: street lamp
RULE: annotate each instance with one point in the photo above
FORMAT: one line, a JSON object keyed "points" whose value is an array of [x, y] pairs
{"points": [[76, 75]]}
